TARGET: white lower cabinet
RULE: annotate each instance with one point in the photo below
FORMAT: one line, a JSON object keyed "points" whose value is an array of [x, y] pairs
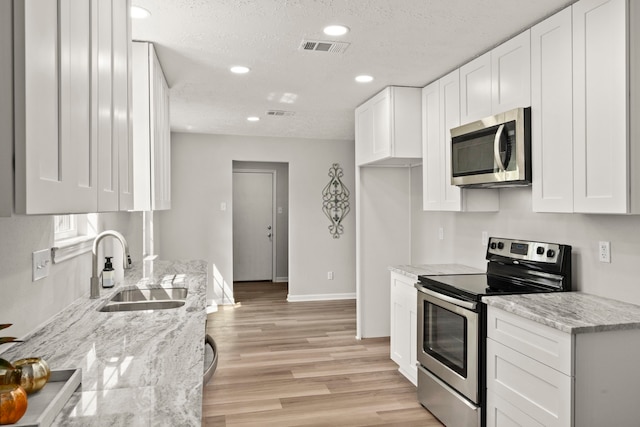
{"points": [[540, 376], [404, 323]]}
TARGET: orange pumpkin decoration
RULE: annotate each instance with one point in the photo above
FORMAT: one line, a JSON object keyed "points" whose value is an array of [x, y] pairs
{"points": [[13, 403]]}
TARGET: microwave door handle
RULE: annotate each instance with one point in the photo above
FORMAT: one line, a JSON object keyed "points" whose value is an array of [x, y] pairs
{"points": [[496, 148]]}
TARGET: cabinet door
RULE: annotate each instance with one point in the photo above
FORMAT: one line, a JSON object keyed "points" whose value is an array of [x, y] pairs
{"points": [[161, 143], [501, 413], [364, 133], [600, 74], [6, 109], [551, 111], [511, 74], [55, 155], [450, 118], [108, 189], [122, 127], [404, 325], [475, 89], [431, 142], [381, 105]]}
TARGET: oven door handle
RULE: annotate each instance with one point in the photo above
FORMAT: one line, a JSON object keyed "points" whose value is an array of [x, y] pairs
{"points": [[460, 303]]}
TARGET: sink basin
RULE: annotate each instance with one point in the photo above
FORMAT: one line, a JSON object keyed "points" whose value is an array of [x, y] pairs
{"points": [[146, 299], [152, 294], [142, 305]]}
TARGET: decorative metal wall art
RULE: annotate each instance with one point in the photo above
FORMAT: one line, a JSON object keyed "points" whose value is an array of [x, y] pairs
{"points": [[335, 200]]}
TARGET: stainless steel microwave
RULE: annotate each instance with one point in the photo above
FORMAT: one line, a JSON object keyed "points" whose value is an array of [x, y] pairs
{"points": [[493, 152]]}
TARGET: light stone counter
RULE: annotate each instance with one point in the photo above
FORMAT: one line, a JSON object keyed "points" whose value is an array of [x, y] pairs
{"points": [[139, 368], [571, 312], [413, 271]]}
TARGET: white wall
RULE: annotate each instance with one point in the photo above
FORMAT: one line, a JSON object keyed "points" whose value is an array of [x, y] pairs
{"points": [[27, 304], [196, 227], [462, 239]]}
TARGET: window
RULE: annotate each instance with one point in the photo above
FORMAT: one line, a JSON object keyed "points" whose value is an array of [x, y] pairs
{"points": [[73, 235]]}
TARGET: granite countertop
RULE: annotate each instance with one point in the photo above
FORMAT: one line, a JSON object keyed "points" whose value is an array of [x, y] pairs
{"points": [[413, 271], [139, 368], [571, 312]]}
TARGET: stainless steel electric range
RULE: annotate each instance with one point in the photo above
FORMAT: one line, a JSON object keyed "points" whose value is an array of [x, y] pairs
{"points": [[452, 323]]}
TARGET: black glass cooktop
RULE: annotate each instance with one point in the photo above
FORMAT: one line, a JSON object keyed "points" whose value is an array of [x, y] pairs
{"points": [[473, 287]]}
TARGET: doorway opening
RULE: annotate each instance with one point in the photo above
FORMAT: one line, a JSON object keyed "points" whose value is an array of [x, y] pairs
{"points": [[260, 227]]}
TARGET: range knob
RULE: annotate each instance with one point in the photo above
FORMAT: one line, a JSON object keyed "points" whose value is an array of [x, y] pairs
{"points": [[551, 253], [540, 250], [500, 245], [492, 245]]}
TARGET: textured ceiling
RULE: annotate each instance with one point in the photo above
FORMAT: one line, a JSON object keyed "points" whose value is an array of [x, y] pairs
{"points": [[399, 42]]}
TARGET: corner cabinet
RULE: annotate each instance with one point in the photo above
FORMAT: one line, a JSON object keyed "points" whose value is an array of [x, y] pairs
{"points": [[404, 324], [541, 376], [388, 128], [585, 83], [440, 113], [71, 105], [151, 131]]}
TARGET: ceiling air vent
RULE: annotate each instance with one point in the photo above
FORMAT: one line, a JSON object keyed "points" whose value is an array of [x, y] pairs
{"points": [[280, 113], [324, 46]]}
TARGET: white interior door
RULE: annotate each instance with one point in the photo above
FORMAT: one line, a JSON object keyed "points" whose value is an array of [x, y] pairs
{"points": [[253, 226]]}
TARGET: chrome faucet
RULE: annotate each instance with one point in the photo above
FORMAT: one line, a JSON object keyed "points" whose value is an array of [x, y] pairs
{"points": [[126, 261]]}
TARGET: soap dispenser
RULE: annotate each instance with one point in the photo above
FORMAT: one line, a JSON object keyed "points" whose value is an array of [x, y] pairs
{"points": [[108, 274]]}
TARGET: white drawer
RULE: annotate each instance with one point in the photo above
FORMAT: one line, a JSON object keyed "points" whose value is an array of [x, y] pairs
{"points": [[501, 413], [536, 389], [542, 343]]}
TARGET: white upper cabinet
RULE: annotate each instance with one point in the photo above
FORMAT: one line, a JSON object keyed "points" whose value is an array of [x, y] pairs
{"points": [[151, 131], [441, 112], [497, 81], [6, 110], [551, 114], [475, 89], [388, 128], [70, 109], [605, 76], [511, 74], [584, 80]]}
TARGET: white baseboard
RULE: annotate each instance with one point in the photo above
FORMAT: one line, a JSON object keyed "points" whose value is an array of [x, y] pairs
{"points": [[281, 279], [320, 297]]}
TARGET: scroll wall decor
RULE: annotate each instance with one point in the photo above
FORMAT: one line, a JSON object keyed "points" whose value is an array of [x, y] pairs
{"points": [[335, 201]]}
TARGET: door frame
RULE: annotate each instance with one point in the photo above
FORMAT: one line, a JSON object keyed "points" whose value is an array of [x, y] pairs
{"points": [[274, 233]]}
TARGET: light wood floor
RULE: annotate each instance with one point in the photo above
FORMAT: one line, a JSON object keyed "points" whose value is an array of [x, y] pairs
{"points": [[299, 364]]}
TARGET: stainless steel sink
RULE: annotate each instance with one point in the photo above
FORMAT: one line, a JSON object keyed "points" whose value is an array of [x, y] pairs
{"points": [[152, 294], [146, 299], [141, 305]]}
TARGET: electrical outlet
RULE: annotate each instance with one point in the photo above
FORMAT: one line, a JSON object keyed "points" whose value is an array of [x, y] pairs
{"points": [[223, 206], [329, 275], [441, 233], [485, 238], [41, 261], [604, 251]]}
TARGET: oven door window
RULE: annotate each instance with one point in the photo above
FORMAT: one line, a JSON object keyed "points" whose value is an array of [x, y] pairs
{"points": [[445, 335]]}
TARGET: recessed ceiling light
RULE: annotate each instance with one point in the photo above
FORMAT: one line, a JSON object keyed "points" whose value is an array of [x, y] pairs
{"points": [[336, 30], [239, 69], [138, 12], [253, 119], [364, 79]]}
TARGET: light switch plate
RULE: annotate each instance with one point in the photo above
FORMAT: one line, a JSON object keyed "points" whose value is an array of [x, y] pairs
{"points": [[41, 262]]}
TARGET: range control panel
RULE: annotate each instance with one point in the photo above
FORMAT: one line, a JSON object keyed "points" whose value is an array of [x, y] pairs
{"points": [[524, 250]]}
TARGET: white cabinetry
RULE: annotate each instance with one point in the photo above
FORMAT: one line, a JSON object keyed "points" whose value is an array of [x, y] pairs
{"points": [[590, 167], [497, 81], [441, 112], [71, 105], [388, 128], [551, 114], [404, 339], [6, 110], [151, 132], [540, 376]]}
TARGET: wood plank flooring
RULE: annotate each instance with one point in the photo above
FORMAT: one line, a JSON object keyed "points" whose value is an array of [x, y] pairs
{"points": [[299, 364]]}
